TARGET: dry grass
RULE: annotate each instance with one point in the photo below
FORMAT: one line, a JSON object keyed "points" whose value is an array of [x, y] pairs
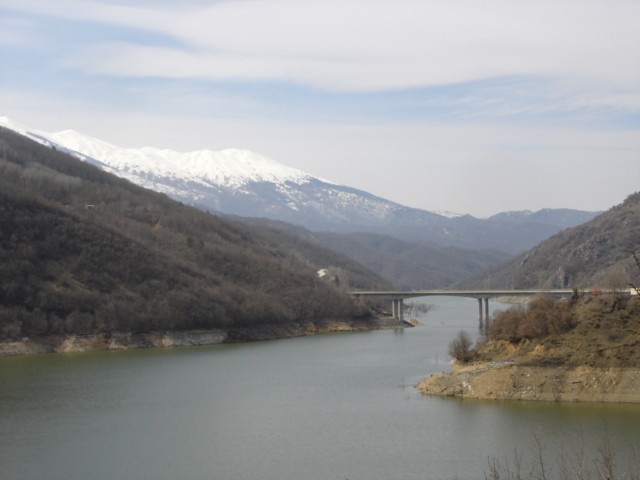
{"points": [[598, 331]]}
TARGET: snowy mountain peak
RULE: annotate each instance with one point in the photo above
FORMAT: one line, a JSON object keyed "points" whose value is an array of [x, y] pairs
{"points": [[230, 167], [12, 125], [447, 213], [23, 130], [234, 181]]}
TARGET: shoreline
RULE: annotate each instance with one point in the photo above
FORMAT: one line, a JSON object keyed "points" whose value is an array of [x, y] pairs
{"points": [[513, 381], [74, 343]]}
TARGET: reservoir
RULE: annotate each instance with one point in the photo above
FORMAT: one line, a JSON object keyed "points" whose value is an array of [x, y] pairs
{"points": [[327, 407]]}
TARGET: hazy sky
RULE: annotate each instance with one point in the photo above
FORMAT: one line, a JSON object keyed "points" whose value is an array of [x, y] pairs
{"points": [[475, 106]]}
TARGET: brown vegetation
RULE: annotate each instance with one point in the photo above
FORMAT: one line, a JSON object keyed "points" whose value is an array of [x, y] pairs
{"points": [[584, 350], [82, 251], [460, 347], [577, 464], [593, 330], [541, 318]]}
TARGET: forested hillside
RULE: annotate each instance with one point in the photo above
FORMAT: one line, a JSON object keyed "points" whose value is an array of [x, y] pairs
{"points": [[82, 251], [598, 253], [408, 264]]}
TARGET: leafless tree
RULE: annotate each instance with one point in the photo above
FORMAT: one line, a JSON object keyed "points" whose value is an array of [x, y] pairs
{"points": [[460, 347]]}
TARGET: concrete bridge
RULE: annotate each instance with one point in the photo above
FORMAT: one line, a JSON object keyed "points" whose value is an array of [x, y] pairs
{"points": [[397, 297]]}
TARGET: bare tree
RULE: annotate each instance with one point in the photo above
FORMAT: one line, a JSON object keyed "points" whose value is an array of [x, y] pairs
{"points": [[460, 347]]}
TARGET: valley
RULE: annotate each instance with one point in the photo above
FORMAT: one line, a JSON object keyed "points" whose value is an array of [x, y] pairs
{"points": [[273, 240], [96, 262]]}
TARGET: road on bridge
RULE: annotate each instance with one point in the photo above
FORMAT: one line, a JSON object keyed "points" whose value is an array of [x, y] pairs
{"points": [[398, 296]]}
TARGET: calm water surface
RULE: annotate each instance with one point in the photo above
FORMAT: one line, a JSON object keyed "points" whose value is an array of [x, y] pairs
{"points": [[323, 407]]}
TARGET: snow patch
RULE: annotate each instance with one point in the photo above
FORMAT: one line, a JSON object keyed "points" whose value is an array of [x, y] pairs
{"points": [[446, 213]]}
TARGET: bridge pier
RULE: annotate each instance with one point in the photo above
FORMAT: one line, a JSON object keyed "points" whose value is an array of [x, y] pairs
{"points": [[397, 309], [483, 316], [486, 311]]}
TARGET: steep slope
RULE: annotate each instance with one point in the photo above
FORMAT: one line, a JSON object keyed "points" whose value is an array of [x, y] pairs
{"points": [[598, 253], [82, 251], [244, 183]]}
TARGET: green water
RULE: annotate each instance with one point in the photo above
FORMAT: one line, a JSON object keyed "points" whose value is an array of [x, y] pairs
{"points": [[321, 407]]}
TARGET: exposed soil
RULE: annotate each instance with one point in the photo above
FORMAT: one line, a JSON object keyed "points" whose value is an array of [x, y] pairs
{"points": [[597, 360], [507, 381], [125, 341]]}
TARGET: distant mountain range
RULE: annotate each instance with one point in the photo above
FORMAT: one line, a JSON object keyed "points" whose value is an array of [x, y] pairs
{"points": [[243, 183], [409, 265], [598, 253]]}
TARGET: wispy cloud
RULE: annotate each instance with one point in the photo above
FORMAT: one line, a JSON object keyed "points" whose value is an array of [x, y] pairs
{"points": [[367, 46], [518, 58], [15, 32]]}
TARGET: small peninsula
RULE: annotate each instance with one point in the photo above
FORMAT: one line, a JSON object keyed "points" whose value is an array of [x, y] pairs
{"points": [[584, 349]]}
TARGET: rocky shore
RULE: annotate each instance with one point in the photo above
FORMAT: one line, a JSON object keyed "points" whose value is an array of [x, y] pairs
{"points": [[511, 381], [126, 341]]}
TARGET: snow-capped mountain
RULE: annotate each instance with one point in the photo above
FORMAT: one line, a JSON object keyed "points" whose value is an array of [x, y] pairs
{"points": [[156, 168], [244, 183], [237, 182]]}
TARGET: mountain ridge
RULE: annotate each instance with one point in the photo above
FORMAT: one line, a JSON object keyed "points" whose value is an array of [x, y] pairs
{"points": [[239, 182]]}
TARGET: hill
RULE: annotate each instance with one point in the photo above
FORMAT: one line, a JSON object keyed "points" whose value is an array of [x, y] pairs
{"points": [[82, 251], [598, 253], [412, 265], [582, 350]]}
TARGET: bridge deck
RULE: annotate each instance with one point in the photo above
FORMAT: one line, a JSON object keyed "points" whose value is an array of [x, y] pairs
{"points": [[483, 296], [465, 293]]}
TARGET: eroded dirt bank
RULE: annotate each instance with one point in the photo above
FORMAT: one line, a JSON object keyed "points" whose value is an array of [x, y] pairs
{"points": [[509, 381], [125, 341], [583, 349]]}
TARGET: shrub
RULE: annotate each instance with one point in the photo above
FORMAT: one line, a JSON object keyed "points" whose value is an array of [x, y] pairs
{"points": [[542, 317], [460, 347], [505, 325]]}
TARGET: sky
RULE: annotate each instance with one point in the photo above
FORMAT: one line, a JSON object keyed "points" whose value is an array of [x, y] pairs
{"points": [[476, 106]]}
